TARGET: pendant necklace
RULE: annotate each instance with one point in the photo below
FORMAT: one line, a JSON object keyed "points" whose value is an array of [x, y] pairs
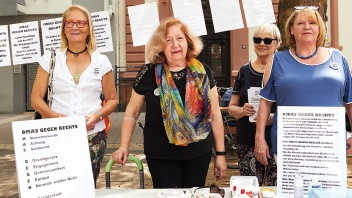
{"points": [[76, 54], [306, 57]]}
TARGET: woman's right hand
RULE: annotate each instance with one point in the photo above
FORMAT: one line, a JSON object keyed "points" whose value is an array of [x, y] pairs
{"points": [[261, 151], [120, 156], [248, 109]]}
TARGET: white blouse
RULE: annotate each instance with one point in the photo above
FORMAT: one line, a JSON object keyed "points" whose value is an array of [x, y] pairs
{"points": [[81, 99]]}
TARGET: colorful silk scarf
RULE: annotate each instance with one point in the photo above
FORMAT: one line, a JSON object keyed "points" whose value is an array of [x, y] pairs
{"points": [[191, 122]]}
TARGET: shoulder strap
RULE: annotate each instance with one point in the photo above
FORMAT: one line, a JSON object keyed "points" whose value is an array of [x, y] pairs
{"points": [[51, 69]]}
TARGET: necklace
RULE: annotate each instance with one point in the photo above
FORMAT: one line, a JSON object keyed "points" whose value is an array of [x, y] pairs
{"points": [[306, 57], [76, 54]]}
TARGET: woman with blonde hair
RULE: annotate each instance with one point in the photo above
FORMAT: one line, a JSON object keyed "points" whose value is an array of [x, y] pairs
{"points": [[80, 76], [307, 74]]}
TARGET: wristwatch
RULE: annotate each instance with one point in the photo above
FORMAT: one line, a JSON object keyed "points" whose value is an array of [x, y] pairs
{"points": [[100, 116]]}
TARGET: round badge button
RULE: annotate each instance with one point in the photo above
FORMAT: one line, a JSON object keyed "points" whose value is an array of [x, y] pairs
{"points": [[156, 92]]}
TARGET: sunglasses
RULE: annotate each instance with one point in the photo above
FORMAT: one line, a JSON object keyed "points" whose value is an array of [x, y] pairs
{"points": [[259, 40], [315, 8], [213, 189]]}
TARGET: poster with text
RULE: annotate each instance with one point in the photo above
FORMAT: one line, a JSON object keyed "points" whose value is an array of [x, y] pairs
{"points": [[102, 30], [5, 59], [226, 15], [311, 141], [51, 31], [191, 13], [25, 43], [144, 20], [52, 158], [258, 12]]}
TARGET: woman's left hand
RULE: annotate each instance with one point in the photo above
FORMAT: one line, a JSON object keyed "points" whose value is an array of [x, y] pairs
{"points": [[220, 167], [270, 120], [91, 120], [349, 145]]}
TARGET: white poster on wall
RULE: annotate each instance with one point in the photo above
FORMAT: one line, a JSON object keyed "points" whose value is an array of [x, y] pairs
{"points": [[258, 12], [191, 13], [25, 43], [52, 158], [51, 31], [226, 15], [102, 30], [5, 59], [311, 141], [144, 20]]}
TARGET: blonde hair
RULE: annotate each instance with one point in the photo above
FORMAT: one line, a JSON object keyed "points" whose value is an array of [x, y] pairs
{"points": [[311, 15], [271, 29], [90, 41], [155, 47]]}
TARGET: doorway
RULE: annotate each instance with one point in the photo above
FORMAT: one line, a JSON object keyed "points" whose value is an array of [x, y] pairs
{"points": [[216, 51]]}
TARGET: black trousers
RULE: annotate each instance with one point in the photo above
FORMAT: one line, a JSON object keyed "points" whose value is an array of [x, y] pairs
{"points": [[179, 173]]}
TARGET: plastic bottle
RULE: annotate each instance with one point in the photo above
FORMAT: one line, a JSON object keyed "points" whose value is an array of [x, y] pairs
{"points": [[298, 190], [313, 184]]}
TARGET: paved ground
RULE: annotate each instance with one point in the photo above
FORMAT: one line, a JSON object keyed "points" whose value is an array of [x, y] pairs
{"points": [[121, 176]]}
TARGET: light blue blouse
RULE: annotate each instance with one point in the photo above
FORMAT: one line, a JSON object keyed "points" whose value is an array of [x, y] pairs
{"points": [[293, 83]]}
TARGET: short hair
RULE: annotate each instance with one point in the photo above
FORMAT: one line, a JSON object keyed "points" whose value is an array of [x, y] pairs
{"points": [[271, 29], [90, 41], [156, 44], [312, 15]]}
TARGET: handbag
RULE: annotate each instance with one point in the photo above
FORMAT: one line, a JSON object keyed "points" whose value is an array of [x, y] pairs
{"points": [[106, 119], [49, 91]]}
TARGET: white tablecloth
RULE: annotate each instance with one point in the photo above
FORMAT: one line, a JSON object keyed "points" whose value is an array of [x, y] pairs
{"points": [[137, 193]]}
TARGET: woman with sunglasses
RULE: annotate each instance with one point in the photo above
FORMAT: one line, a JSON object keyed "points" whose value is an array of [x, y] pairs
{"points": [[266, 40], [80, 76], [305, 75]]}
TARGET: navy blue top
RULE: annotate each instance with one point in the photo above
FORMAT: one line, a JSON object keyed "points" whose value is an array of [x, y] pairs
{"points": [[293, 83]]}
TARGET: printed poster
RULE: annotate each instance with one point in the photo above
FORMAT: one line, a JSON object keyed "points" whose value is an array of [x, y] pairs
{"points": [[25, 43], [52, 158], [144, 20], [258, 12], [51, 33], [226, 15], [254, 100], [5, 59], [311, 141], [102, 30], [191, 13]]}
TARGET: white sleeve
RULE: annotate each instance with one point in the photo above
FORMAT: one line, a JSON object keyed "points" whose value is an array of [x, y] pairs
{"points": [[104, 64], [44, 61]]}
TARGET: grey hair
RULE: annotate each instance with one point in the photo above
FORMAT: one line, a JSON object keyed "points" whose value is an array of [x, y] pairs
{"points": [[271, 29]]}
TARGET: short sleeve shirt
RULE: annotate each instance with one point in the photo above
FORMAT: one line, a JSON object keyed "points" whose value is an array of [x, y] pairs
{"points": [[156, 143], [292, 83], [81, 99]]}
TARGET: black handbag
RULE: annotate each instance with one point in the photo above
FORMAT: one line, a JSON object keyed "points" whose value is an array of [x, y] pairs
{"points": [[49, 91]]}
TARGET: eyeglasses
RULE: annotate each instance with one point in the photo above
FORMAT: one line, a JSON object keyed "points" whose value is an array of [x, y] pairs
{"points": [[259, 40], [79, 23], [315, 8], [213, 189]]}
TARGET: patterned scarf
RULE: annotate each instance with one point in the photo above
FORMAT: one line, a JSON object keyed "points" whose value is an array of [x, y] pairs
{"points": [[188, 123]]}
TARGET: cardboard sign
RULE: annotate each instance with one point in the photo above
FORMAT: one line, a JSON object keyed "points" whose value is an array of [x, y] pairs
{"points": [[102, 30], [5, 59], [311, 141], [25, 43], [52, 158]]}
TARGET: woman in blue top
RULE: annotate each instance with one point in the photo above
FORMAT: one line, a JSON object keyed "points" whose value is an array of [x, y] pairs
{"points": [[305, 75]]}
